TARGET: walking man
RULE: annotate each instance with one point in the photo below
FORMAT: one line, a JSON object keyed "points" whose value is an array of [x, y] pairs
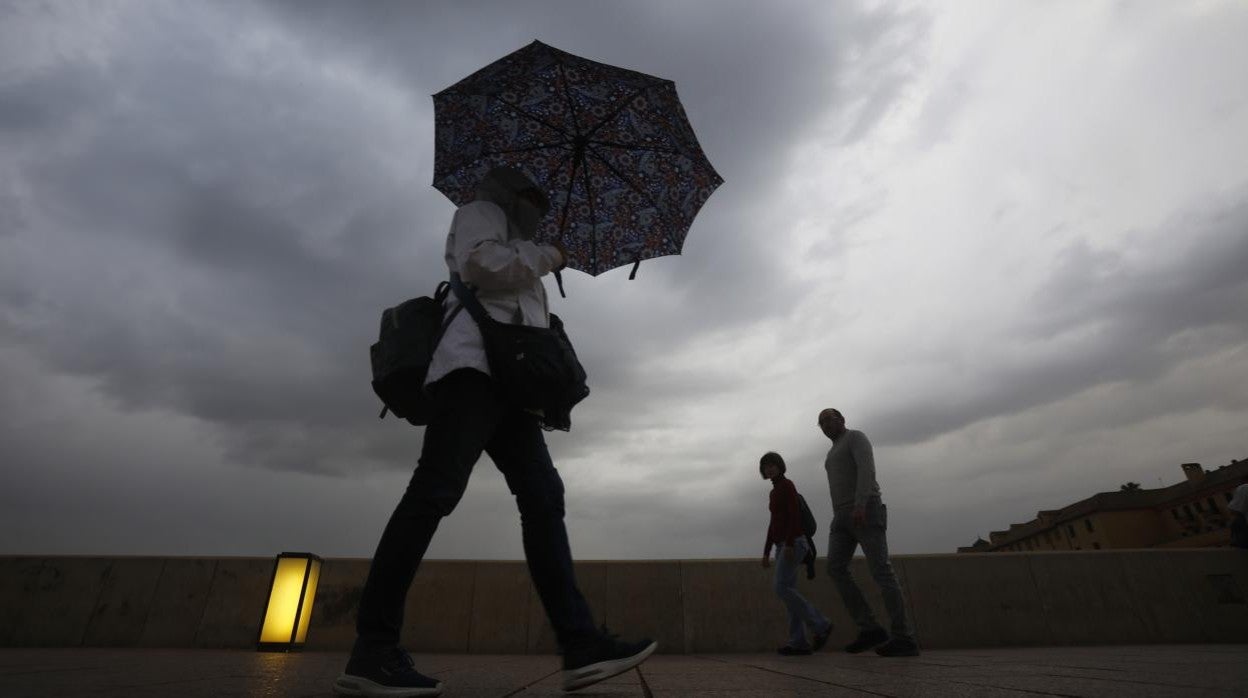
{"points": [[490, 246], [859, 517]]}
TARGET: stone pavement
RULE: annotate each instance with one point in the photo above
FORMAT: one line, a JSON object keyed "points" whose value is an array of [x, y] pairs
{"points": [[1135, 671]]}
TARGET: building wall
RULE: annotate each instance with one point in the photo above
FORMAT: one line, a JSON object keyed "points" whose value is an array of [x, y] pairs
{"points": [[1198, 518], [1042, 598], [1130, 529], [1200, 513]]}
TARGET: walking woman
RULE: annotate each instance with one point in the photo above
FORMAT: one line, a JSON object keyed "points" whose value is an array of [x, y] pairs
{"points": [[785, 532]]}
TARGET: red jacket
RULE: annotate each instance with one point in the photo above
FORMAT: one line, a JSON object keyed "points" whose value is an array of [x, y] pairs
{"points": [[786, 515]]}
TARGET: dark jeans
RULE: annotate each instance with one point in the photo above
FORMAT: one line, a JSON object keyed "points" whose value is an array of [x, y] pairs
{"points": [[471, 417], [842, 540], [1239, 531]]}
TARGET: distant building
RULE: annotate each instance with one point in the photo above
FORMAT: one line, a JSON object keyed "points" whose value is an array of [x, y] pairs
{"points": [[1188, 514]]}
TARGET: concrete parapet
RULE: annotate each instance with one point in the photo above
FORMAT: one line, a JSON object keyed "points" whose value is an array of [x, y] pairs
{"points": [[1080, 612], [967, 600], [646, 598], [125, 598], [52, 600], [1206, 585], [337, 598], [236, 600], [178, 602], [974, 600], [500, 608], [729, 606]]}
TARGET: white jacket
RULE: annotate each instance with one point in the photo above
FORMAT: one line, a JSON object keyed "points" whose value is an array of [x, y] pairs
{"points": [[507, 274]]}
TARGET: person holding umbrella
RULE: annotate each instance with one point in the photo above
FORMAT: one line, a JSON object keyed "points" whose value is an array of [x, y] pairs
{"points": [[490, 246], [602, 163]]}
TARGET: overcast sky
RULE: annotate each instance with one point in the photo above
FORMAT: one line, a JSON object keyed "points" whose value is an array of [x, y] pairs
{"points": [[1008, 240]]}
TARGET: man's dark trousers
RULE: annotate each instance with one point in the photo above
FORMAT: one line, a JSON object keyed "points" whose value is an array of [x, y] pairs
{"points": [[843, 538], [470, 417], [1239, 531]]}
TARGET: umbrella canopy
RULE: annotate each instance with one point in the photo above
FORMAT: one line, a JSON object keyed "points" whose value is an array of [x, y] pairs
{"points": [[611, 147]]}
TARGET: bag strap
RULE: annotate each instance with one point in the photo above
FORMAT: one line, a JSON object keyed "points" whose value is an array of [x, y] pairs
{"points": [[443, 290], [468, 299]]}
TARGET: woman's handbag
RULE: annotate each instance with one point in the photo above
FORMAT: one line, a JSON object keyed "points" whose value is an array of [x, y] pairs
{"points": [[536, 367]]}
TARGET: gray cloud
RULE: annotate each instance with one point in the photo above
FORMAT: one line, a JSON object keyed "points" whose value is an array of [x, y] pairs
{"points": [[204, 208], [1097, 320], [209, 183]]}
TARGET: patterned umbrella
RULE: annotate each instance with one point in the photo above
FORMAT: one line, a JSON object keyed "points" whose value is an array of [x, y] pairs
{"points": [[612, 148]]}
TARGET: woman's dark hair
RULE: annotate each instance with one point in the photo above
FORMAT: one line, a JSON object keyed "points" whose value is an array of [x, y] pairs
{"points": [[773, 458]]}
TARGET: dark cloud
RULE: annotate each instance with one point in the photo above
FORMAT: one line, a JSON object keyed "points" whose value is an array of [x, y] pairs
{"points": [[50, 101], [753, 94], [204, 209], [232, 243]]}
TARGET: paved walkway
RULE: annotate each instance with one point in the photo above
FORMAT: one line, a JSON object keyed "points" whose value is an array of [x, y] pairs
{"points": [[1135, 672]]}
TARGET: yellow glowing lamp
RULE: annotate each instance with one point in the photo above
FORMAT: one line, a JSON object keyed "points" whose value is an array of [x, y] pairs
{"points": [[289, 610]]}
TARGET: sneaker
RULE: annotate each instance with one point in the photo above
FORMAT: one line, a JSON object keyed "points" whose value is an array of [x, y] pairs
{"points": [[866, 641], [389, 673], [791, 651], [898, 648], [603, 658], [821, 639]]}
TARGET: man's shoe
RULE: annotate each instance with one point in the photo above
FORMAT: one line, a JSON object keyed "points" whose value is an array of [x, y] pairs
{"points": [[866, 641], [601, 659], [821, 639], [389, 672], [898, 648], [791, 651]]}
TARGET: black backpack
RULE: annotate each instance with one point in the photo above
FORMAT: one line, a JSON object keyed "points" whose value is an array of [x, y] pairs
{"points": [[409, 333], [809, 526]]}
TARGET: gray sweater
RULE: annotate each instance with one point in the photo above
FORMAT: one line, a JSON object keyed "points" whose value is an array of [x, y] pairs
{"points": [[851, 471]]}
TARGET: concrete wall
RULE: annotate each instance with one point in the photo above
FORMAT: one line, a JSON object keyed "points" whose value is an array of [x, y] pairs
{"points": [[967, 600]]}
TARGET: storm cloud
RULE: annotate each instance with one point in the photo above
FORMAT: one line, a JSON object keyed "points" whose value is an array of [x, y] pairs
{"points": [[1009, 243]]}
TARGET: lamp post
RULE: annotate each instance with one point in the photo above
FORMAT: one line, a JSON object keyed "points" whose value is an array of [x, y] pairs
{"points": [[284, 626]]}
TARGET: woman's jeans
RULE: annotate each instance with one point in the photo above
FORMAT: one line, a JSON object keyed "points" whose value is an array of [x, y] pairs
{"points": [[470, 417], [842, 540], [801, 612]]}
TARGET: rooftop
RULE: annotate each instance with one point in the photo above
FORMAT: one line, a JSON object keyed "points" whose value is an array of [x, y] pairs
{"points": [[1231, 473], [1131, 671]]}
